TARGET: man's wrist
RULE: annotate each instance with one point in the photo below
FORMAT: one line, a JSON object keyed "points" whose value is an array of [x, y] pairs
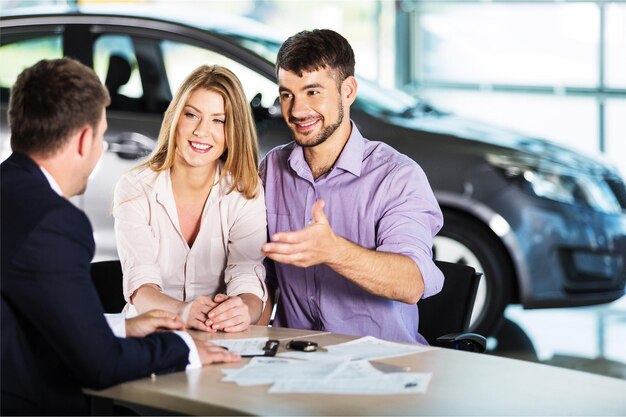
{"points": [[194, 356], [339, 252], [117, 323]]}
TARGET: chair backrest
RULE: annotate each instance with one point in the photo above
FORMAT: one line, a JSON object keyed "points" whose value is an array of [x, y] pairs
{"points": [[118, 75], [107, 278], [450, 310]]}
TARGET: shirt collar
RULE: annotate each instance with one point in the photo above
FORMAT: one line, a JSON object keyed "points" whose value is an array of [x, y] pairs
{"points": [[350, 159], [53, 184]]}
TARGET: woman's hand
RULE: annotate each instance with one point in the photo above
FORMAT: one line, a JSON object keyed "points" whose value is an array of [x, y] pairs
{"points": [[231, 314], [195, 313]]}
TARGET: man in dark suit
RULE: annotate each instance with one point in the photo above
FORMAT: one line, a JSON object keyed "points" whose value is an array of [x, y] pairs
{"points": [[55, 339]]}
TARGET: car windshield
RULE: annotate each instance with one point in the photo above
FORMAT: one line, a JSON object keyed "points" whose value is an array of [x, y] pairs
{"points": [[371, 98]]}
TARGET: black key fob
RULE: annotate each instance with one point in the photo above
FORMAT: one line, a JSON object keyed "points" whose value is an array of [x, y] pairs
{"points": [[302, 345]]}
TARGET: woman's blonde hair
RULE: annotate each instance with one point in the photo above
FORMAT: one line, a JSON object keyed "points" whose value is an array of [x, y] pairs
{"points": [[241, 152]]}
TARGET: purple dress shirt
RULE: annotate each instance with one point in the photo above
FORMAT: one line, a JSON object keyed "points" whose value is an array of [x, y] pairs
{"points": [[375, 197]]}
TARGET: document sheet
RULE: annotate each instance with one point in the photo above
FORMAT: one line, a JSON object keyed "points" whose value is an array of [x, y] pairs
{"points": [[262, 370], [250, 346], [368, 347], [344, 369]]}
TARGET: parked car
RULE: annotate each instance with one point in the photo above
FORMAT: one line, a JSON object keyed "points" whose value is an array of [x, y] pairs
{"points": [[546, 225]]}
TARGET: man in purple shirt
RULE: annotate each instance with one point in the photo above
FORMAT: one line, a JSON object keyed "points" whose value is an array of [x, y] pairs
{"points": [[351, 221]]}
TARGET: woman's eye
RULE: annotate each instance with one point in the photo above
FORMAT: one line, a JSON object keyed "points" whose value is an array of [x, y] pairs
{"points": [[190, 115], [219, 121]]}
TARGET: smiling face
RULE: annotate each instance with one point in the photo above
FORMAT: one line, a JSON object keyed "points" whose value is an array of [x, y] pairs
{"points": [[314, 106], [200, 136]]}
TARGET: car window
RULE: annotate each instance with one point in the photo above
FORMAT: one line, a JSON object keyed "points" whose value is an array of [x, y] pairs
{"points": [[115, 62], [180, 59], [18, 55]]}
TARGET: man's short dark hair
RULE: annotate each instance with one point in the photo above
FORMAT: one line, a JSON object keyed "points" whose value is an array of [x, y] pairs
{"points": [[50, 101], [316, 49]]}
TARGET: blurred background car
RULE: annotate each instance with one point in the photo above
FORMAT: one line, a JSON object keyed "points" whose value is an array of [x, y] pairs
{"points": [[545, 224]]}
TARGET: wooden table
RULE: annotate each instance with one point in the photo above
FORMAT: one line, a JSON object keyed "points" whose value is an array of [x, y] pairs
{"points": [[462, 384]]}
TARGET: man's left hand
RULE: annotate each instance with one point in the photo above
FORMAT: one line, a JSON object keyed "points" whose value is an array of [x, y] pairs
{"points": [[152, 321]]}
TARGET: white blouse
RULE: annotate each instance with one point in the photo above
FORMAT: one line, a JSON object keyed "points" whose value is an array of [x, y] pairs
{"points": [[225, 257]]}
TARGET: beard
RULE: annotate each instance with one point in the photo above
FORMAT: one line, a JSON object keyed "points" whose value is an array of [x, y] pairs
{"points": [[326, 132]]}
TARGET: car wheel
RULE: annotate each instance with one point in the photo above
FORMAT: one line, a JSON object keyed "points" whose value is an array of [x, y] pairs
{"points": [[466, 241]]}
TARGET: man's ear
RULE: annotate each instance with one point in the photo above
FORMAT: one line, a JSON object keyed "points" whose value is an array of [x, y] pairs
{"points": [[85, 140], [348, 89]]}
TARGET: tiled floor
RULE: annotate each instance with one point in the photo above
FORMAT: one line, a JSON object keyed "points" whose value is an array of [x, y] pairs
{"points": [[591, 339]]}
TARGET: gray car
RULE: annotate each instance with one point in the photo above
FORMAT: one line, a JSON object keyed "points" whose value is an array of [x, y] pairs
{"points": [[546, 225]]}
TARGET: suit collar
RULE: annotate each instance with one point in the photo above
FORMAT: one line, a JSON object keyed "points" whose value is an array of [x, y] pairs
{"points": [[27, 163]]}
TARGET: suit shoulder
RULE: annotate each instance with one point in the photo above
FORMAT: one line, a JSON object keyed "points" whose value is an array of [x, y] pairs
{"points": [[26, 195]]}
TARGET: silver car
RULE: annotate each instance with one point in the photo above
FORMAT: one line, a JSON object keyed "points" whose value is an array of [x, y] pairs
{"points": [[546, 225]]}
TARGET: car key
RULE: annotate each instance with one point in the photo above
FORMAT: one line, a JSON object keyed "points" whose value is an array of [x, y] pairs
{"points": [[305, 346]]}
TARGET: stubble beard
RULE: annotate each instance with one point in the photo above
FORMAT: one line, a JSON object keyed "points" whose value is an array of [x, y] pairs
{"points": [[323, 135]]}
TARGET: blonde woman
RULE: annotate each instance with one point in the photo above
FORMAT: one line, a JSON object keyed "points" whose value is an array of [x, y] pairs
{"points": [[191, 220]]}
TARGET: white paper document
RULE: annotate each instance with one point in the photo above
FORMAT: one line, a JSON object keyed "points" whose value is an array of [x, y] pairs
{"points": [[251, 346], [268, 370], [367, 347], [387, 384], [357, 378], [344, 369]]}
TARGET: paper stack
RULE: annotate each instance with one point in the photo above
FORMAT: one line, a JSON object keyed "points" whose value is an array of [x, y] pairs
{"points": [[344, 369]]}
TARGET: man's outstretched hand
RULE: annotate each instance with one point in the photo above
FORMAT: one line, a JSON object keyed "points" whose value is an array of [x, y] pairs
{"points": [[315, 244]]}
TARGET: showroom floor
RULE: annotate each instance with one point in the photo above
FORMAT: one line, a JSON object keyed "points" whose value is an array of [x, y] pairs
{"points": [[591, 339]]}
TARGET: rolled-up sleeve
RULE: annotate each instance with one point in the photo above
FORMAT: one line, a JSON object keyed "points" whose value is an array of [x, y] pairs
{"points": [[136, 244], [245, 273], [410, 218]]}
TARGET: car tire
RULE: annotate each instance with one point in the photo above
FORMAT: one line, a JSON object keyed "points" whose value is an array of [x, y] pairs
{"points": [[512, 339], [465, 240]]}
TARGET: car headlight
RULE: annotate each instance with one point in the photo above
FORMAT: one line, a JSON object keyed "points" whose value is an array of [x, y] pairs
{"points": [[557, 182]]}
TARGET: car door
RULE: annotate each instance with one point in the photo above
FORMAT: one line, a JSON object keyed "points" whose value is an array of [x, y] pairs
{"points": [[141, 65]]}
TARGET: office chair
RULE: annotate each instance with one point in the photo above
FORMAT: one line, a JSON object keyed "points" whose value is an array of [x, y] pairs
{"points": [[107, 278], [445, 317]]}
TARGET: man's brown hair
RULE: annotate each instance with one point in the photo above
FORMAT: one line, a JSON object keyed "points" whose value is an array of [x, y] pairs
{"points": [[50, 101], [313, 50]]}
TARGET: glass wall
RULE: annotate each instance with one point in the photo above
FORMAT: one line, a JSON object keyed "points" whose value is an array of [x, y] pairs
{"points": [[555, 70]]}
